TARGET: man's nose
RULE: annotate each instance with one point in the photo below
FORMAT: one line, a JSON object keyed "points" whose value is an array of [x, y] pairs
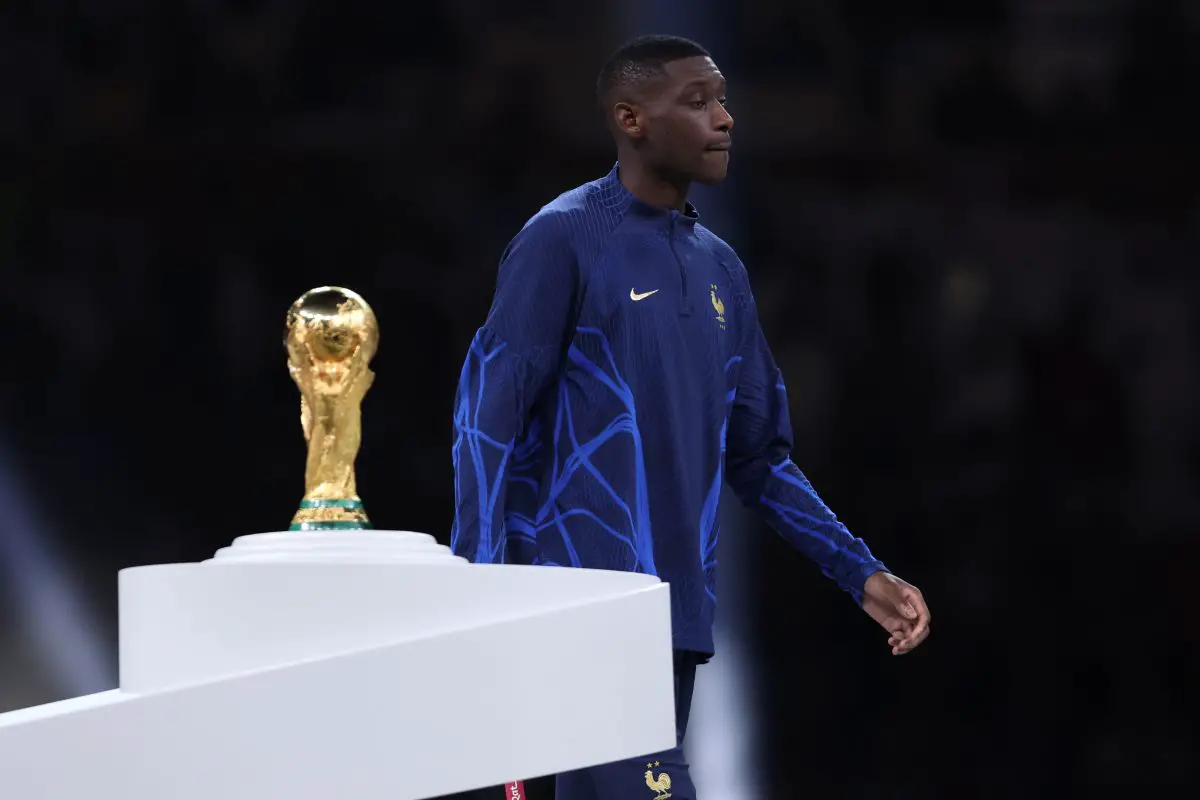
{"points": [[724, 120]]}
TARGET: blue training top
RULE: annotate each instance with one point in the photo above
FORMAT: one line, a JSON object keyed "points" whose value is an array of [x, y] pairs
{"points": [[620, 378]]}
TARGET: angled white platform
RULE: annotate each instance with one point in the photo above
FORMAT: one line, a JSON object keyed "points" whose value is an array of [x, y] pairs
{"points": [[355, 665]]}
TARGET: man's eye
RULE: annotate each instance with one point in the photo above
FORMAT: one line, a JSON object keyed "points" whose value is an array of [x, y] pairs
{"points": [[698, 104], [723, 101]]}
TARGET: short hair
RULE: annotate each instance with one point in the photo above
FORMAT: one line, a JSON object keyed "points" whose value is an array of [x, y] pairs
{"points": [[643, 58]]}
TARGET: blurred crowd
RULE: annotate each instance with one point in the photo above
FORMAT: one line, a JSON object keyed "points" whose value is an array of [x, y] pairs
{"points": [[972, 230]]}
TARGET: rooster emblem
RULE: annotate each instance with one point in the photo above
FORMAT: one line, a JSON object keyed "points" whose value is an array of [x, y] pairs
{"points": [[718, 304], [661, 785]]}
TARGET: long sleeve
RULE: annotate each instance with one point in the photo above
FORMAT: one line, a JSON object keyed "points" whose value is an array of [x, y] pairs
{"points": [[760, 470], [511, 361]]}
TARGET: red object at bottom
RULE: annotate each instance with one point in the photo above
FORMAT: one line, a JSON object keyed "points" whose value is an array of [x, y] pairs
{"points": [[514, 791]]}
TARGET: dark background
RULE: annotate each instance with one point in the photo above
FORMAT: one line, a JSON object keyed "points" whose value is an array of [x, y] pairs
{"points": [[972, 229]]}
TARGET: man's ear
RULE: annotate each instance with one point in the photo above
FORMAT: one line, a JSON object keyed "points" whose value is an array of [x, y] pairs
{"points": [[629, 120]]}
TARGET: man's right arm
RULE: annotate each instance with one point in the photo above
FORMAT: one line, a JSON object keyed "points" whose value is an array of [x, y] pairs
{"points": [[511, 360]]}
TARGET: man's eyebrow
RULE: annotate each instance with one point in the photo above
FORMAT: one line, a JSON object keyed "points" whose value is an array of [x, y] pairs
{"points": [[702, 83]]}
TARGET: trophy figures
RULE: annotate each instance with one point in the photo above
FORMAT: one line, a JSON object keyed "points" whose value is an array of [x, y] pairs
{"points": [[331, 337]]}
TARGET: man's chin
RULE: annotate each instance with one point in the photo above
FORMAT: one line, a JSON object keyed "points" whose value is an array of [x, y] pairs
{"points": [[711, 179], [713, 167]]}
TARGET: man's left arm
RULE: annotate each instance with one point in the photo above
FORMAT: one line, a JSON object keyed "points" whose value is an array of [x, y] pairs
{"points": [[761, 472]]}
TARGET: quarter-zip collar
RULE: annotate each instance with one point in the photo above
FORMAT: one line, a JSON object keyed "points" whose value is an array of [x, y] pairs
{"points": [[671, 219]]}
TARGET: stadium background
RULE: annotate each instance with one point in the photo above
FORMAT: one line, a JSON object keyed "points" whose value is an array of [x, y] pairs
{"points": [[972, 228]]}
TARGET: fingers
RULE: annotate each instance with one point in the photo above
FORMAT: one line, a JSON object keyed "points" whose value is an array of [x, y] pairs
{"points": [[905, 641]]}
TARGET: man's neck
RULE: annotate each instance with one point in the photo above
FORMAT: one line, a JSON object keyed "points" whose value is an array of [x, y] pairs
{"points": [[650, 188]]}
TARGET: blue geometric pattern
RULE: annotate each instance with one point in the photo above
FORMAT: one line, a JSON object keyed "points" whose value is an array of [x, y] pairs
{"points": [[488, 458], [640, 537], [710, 523], [481, 449], [792, 506]]}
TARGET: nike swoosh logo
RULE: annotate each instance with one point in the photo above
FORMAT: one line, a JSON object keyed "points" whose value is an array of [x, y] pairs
{"points": [[634, 296]]}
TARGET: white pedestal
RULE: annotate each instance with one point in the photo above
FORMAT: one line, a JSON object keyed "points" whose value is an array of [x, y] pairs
{"points": [[356, 665]]}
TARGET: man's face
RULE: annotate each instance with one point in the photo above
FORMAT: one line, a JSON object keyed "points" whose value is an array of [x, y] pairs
{"points": [[687, 129]]}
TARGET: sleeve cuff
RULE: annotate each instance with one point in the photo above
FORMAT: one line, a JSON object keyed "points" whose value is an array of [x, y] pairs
{"points": [[857, 578]]}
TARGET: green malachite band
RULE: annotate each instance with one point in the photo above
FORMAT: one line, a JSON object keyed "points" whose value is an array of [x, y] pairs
{"points": [[349, 525], [351, 504]]}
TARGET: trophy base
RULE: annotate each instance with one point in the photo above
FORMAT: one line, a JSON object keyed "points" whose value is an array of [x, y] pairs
{"points": [[331, 526], [331, 514], [337, 547]]}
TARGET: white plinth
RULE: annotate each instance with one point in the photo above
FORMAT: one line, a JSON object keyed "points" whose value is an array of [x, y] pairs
{"points": [[320, 666]]}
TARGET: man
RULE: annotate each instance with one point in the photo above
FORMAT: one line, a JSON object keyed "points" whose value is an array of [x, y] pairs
{"points": [[621, 377]]}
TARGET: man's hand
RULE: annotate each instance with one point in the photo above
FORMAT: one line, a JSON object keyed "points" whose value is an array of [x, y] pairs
{"points": [[900, 608]]}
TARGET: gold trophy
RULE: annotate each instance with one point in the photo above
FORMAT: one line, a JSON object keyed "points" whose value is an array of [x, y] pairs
{"points": [[331, 338]]}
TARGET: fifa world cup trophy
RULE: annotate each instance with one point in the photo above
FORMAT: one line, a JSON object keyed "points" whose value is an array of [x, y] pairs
{"points": [[331, 338]]}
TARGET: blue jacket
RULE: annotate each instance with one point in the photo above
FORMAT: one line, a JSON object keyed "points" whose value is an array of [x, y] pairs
{"points": [[620, 378]]}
